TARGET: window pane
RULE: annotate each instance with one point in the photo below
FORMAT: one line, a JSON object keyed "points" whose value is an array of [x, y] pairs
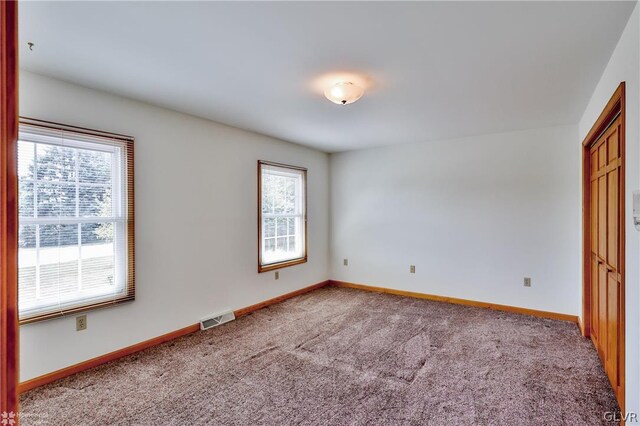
{"points": [[278, 193], [98, 257], [27, 236], [97, 233], [58, 259], [25, 199], [281, 244], [290, 195], [58, 235], [56, 200], [94, 166], [282, 226], [26, 281], [98, 270], [292, 226], [57, 163], [26, 166], [284, 194], [95, 201], [270, 245], [268, 193], [269, 227], [26, 264], [58, 280]]}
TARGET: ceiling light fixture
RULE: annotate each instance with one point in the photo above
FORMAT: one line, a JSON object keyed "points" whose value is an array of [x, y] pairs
{"points": [[344, 93]]}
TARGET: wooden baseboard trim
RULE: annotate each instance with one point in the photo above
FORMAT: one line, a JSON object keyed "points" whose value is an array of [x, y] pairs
{"points": [[252, 308], [102, 359], [112, 356], [581, 327], [494, 306]]}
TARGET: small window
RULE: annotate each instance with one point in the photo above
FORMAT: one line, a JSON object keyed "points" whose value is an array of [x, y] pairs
{"points": [[282, 214], [75, 242]]}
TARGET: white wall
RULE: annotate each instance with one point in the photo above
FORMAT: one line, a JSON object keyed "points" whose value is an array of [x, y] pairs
{"points": [[195, 194], [475, 215], [624, 65]]}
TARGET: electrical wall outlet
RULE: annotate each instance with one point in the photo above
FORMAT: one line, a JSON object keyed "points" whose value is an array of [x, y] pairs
{"points": [[412, 269], [81, 323], [345, 262], [277, 275], [527, 282]]}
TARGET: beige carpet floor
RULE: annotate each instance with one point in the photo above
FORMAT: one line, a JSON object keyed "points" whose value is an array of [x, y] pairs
{"points": [[346, 357]]}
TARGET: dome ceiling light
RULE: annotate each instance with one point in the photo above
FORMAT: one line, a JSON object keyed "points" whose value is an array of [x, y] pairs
{"points": [[344, 93]]}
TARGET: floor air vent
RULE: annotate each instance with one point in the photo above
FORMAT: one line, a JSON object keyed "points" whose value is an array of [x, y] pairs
{"points": [[217, 320]]}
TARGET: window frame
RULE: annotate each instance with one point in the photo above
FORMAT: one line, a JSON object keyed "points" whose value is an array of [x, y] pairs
{"points": [[126, 143], [266, 267]]}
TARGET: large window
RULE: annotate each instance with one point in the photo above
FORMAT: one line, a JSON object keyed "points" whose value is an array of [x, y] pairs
{"points": [[75, 220], [282, 216]]}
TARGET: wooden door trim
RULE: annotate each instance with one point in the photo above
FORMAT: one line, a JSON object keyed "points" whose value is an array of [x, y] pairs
{"points": [[614, 108], [8, 207]]}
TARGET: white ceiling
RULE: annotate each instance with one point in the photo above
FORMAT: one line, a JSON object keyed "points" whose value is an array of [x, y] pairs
{"points": [[435, 70]]}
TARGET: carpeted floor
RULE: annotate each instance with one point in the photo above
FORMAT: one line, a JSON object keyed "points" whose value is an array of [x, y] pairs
{"points": [[340, 357]]}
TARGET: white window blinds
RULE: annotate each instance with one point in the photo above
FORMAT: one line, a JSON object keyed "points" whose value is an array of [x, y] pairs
{"points": [[75, 221]]}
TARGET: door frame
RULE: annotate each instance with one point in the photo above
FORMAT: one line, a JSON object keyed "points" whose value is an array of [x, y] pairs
{"points": [[615, 107], [9, 208]]}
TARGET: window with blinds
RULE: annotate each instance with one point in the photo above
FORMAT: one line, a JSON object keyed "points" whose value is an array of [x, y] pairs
{"points": [[282, 216], [75, 206]]}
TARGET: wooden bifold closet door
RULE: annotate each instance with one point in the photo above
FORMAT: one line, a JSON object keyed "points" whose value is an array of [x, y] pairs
{"points": [[607, 287]]}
